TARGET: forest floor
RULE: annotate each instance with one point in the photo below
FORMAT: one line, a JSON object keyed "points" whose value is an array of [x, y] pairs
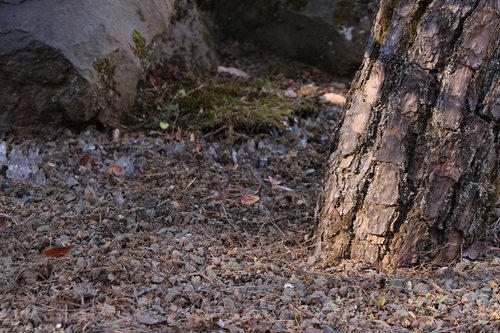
{"points": [[173, 232]]}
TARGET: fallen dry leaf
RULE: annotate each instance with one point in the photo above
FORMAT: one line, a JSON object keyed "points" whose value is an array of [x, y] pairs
{"points": [[273, 180], [57, 251], [4, 217], [233, 71], [249, 199], [178, 134], [334, 99], [82, 161], [477, 250], [116, 170]]}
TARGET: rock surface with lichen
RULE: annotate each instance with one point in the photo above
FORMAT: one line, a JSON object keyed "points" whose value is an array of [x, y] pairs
{"points": [[81, 61]]}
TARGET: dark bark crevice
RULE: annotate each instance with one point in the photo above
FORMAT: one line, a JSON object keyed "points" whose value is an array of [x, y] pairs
{"points": [[416, 19], [420, 124], [458, 33]]}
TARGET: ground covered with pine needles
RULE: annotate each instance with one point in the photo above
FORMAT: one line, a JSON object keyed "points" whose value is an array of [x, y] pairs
{"points": [[177, 226]]}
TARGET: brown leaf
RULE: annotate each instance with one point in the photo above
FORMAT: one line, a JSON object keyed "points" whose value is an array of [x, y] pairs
{"points": [[82, 161], [57, 251], [273, 180], [477, 250], [249, 199], [116, 170], [4, 217], [334, 99], [178, 134]]}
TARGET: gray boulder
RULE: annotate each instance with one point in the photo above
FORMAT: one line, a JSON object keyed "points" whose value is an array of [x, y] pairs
{"points": [[81, 61], [330, 34]]}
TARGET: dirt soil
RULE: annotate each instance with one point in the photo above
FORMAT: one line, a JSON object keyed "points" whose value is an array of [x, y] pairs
{"points": [[184, 234]]}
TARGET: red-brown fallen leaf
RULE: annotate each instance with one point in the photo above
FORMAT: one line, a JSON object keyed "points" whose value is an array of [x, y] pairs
{"points": [[249, 199], [4, 217], [3, 229], [82, 161], [116, 170], [57, 251]]}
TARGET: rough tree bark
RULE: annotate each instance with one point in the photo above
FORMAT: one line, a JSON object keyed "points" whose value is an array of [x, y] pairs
{"points": [[413, 170]]}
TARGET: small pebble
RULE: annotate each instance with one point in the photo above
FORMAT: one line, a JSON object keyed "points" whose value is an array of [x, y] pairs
{"points": [[157, 279], [421, 289], [321, 281], [176, 254], [134, 262]]}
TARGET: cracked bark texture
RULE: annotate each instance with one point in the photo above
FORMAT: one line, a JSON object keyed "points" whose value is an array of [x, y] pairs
{"points": [[413, 170]]}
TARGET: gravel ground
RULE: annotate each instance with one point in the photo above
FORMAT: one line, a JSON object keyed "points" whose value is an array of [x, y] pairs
{"points": [[184, 235]]}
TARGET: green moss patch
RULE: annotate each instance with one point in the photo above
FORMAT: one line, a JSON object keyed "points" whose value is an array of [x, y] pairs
{"points": [[106, 70], [140, 44], [227, 108]]}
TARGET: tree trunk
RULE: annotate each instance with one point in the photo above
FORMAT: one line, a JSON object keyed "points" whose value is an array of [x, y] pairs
{"points": [[413, 170]]}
